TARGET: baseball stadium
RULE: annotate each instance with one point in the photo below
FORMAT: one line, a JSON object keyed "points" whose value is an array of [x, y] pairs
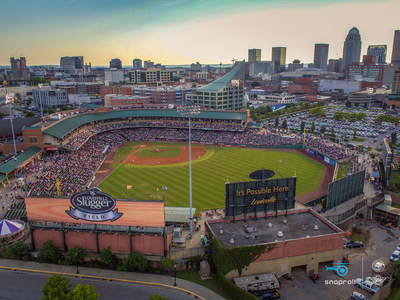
{"points": [[138, 161]]}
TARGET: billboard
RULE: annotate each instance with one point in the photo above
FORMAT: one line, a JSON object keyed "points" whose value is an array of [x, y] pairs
{"points": [[96, 209], [319, 155], [344, 189], [248, 197]]}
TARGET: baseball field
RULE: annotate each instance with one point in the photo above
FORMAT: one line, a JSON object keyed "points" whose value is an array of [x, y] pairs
{"points": [[148, 166]]}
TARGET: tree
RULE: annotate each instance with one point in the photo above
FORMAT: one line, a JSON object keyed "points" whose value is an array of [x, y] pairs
{"points": [[317, 112], [157, 297], [86, 292], [333, 132], [312, 127], [17, 250], [354, 133], [393, 136], [168, 263], [384, 106], [57, 287], [51, 110], [108, 258], [36, 80], [323, 129], [302, 126], [49, 253], [348, 103], [29, 101], [277, 122], [2, 115], [136, 262], [284, 124], [76, 255], [64, 107]]}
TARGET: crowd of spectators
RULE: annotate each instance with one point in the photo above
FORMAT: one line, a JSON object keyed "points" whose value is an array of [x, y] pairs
{"points": [[329, 149]]}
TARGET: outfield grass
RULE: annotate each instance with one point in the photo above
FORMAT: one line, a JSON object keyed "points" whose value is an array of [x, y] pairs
{"points": [[164, 151], [210, 174]]}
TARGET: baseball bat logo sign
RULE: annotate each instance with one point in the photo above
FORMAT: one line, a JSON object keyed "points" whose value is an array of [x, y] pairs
{"points": [[94, 206]]}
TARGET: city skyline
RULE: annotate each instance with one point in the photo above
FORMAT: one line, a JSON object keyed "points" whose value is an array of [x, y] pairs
{"points": [[181, 32]]}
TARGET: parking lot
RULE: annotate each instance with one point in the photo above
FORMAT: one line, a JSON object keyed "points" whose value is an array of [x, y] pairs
{"points": [[381, 243]]}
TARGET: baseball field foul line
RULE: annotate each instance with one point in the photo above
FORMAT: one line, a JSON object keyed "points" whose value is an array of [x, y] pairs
{"points": [[104, 278]]}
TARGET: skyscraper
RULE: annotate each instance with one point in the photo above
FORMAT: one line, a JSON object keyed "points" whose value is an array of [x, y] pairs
{"points": [[137, 63], [19, 70], [321, 56], [351, 48], [396, 48], [254, 55], [115, 63], [379, 51], [72, 64], [278, 57]]}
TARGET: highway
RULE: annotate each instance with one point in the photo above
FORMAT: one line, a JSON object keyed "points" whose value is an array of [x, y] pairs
{"points": [[21, 285]]}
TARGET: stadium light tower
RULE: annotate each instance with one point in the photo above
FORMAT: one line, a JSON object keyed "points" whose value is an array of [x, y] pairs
{"points": [[188, 110], [370, 91]]}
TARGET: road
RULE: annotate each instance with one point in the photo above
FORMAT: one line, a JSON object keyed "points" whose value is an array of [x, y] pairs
{"points": [[18, 285]]}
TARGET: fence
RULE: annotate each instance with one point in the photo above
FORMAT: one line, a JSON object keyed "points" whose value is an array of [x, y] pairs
{"points": [[183, 253]]}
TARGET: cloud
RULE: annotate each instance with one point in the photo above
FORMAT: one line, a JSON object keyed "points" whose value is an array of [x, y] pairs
{"points": [[70, 2]]}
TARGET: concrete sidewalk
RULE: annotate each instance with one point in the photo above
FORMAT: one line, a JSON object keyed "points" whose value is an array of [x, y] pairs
{"points": [[143, 277]]}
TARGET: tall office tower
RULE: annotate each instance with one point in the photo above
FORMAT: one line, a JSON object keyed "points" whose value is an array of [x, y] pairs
{"points": [[72, 64], [334, 65], [115, 63], [321, 56], [19, 71], [396, 48], [137, 63], [379, 51], [148, 64], [278, 58], [351, 48], [254, 55]]}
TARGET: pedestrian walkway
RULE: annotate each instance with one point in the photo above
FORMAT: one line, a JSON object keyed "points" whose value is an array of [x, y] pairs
{"points": [[112, 275]]}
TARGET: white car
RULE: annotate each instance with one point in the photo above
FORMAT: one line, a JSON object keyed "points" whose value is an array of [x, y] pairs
{"points": [[398, 247], [358, 296], [395, 255]]}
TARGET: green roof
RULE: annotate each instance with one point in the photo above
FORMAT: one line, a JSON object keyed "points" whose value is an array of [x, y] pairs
{"points": [[218, 84], [19, 160], [2, 177], [65, 126]]}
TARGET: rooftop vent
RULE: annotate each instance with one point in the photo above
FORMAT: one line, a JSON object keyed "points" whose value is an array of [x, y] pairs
{"points": [[284, 222], [280, 234], [232, 241], [316, 227], [269, 225]]}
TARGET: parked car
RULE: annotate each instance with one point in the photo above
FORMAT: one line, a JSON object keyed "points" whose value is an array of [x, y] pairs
{"points": [[269, 295], [366, 285], [395, 255], [378, 280], [398, 247], [354, 244], [358, 296]]}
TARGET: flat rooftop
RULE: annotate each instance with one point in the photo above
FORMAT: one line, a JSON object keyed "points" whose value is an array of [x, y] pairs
{"points": [[299, 224]]}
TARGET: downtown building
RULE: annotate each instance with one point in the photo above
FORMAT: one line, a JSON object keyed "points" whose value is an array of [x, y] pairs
{"points": [[72, 64], [116, 63], [351, 48], [394, 97], [396, 48], [225, 93], [137, 63], [321, 56], [379, 51], [47, 97], [279, 58], [19, 72], [152, 77]]}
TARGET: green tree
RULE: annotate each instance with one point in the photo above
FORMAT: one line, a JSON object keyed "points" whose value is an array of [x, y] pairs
{"points": [[277, 122], [76, 255], [302, 126], [354, 133], [312, 127], [29, 101], [348, 103], [2, 115], [384, 106], [57, 287], [317, 112], [108, 258], [17, 250], [49, 253], [136, 262], [168, 263], [333, 132], [36, 80], [64, 107], [393, 137], [323, 129], [284, 124], [86, 292], [157, 297], [51, 110]]}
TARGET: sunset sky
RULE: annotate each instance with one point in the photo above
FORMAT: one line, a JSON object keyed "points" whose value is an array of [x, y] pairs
{"points": [[186, 31]]}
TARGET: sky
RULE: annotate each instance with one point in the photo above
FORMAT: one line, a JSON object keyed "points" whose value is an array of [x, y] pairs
{"points": [[177, 32]]}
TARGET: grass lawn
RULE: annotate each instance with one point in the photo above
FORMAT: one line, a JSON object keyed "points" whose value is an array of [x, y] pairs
{"points": [[164, 151], [395, 292], [209, 175], [193, 276]]}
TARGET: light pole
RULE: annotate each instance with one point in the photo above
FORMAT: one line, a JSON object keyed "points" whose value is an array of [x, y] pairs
{"points": [[175, 274], [76, 259], [366, 128], [188, 110]]}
